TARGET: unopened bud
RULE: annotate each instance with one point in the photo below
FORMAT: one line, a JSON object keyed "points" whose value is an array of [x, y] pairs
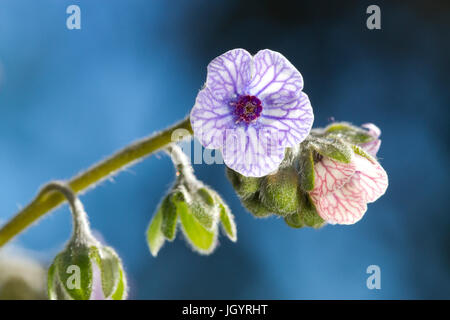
{"points": [[280, 191], [86, 272]]}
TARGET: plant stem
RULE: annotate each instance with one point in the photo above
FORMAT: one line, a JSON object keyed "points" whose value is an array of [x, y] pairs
{"points": [[47, 201]]}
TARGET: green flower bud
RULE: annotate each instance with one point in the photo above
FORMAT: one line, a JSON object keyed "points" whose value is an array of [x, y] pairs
{"points": [[307, 212], [244, 186], [280, 191], [196, 207], [255, 206], [294, 220], [305, 167], [86, 271]]}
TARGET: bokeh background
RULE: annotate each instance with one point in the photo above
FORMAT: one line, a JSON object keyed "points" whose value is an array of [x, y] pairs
{"points": [[70, 97]]}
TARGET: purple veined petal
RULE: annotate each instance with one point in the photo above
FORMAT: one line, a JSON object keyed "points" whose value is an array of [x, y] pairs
{"points": [[343, 206], [292, 120], [275, 79], [370, 177], [229, 74], [372, 147], [252, 152], [210, 118], [331, 175]]}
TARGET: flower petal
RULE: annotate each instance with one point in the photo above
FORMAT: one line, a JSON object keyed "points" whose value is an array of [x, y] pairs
{"points": [[343, 206], [372, 147], [348, 204], [252, 152], [275, 79], [229, 74], [292, 120], [331, 175], [374, 131], [210, 118], [370, 178]]}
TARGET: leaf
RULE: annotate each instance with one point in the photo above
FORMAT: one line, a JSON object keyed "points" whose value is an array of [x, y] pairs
{"points": [[110, 266], [334, 148], [306, 170], [169, 218], [201, 239], [228, 224], [349, 133], [360, 151], [121, 292], [155, 237], [206, 196], [204, 209], [75, 271]]}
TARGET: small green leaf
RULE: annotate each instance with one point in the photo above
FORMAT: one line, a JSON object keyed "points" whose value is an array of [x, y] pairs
{"points": [[206, 196], [308, 213], [228, 223], [201, 239], [306, 170], [120, 293], [349, 133], [169, 218], [335, 149], [75, 271], [155, 237], [110, 265], [204, 208], [360, 151]]}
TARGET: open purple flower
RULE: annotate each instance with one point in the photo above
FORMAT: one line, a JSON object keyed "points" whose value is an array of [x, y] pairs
{"points": [[252, 108]]}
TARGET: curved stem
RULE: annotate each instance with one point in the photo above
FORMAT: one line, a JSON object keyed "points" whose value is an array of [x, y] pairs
{"points": [[128, 156], [81, 230], [180, 161]]}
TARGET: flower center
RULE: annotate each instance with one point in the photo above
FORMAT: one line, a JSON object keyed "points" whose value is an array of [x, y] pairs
{"points": [[247, 108]]}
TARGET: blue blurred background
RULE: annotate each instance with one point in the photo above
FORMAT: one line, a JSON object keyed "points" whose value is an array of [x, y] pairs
{"points": [[70, 97]]}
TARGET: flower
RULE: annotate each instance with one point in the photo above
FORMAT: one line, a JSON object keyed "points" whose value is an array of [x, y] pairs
{"points": [[342, 190], [252, 108], [372, 147]]}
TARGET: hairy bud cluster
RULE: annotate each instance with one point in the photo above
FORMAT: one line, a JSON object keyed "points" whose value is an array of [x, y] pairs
{"points": [[286, 192], [87, 271], [195, 207]]}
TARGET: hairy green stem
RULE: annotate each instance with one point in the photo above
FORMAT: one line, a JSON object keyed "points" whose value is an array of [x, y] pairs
{"points": [[47, 201]]}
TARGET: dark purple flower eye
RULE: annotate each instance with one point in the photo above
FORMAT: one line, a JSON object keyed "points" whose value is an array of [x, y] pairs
{"points": [[247, 109], [252, 108]]}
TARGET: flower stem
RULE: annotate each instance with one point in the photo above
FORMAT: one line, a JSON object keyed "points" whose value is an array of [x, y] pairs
{"points": [[47, 201]]}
